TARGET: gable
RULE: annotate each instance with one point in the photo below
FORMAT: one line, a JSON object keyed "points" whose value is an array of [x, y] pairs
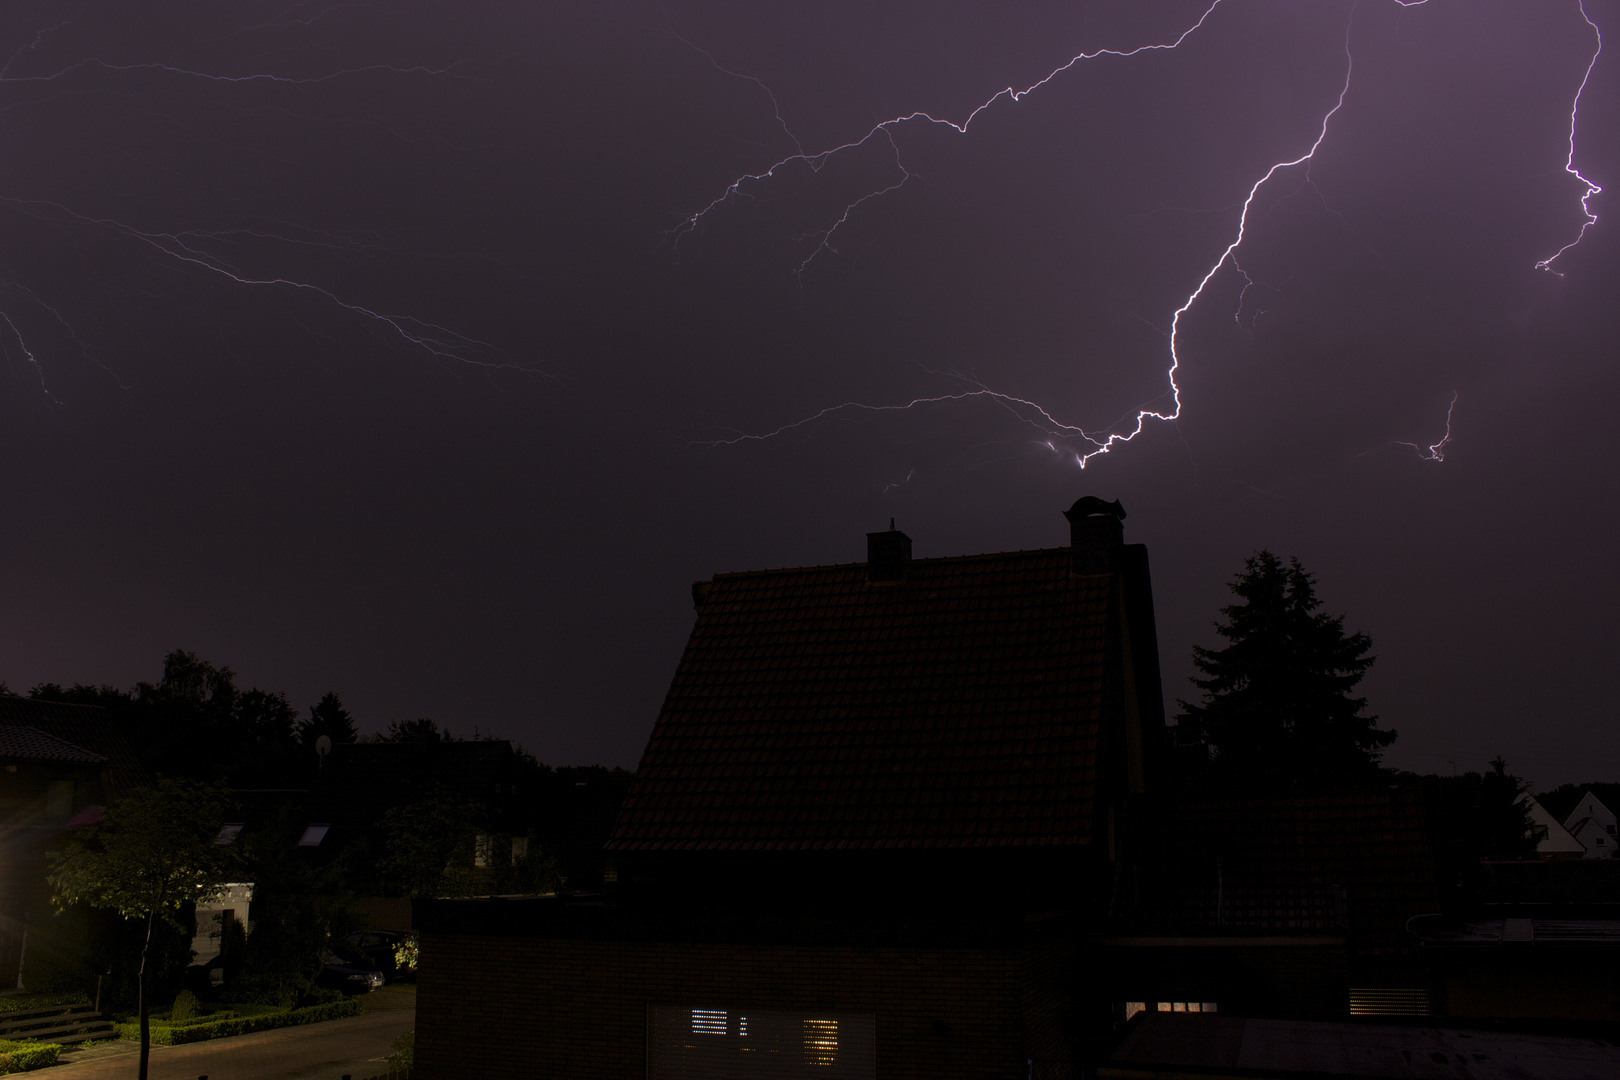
{"points": [[961, 706]]}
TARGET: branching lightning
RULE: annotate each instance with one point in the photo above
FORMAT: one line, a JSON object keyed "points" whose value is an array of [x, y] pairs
{"points": [[1569, 161], [1099, 441], [189, 249], [1435, 451]]}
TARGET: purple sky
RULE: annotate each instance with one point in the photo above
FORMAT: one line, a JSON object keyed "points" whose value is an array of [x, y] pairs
{"points": [[487, 507]]}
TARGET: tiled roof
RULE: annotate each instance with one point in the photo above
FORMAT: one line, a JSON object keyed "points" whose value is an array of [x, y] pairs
{"points": [[814, 710], [1297, 854], [85, 726], [30, 743]]}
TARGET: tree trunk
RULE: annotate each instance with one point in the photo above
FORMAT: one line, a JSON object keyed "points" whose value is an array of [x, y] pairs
{"points": [[146, 1006]]}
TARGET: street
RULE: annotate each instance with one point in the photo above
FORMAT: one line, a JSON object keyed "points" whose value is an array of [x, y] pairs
{"points": [[357, 1046]]}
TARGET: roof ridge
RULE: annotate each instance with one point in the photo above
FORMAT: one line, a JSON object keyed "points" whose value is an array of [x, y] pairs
{"points": [[914, 562]]}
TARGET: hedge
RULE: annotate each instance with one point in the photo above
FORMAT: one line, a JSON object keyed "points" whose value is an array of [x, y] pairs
{"points": [[21, 1056], [163, 1035]]}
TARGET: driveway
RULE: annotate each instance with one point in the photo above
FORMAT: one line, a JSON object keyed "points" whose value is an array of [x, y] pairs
{"points": [[357, 1046]]}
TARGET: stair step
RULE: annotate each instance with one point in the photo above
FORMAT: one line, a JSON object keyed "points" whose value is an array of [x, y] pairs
{"points": [[99, 1032], [20, 1016]]}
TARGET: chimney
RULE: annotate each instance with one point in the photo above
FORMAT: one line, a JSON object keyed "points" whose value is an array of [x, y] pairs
{"points": [[887, 554], [1095, 534]]}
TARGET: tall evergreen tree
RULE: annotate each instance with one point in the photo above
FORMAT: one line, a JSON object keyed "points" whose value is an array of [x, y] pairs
{"points": [[328, 718], [1277, 710]]}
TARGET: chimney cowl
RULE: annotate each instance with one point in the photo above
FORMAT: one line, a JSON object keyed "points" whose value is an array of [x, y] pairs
{"points": [[1095, 534], [887, 554]]}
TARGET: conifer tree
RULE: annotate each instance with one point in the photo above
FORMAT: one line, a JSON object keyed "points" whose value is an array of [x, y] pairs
{"points": [[1277, 709], [328, 718]]}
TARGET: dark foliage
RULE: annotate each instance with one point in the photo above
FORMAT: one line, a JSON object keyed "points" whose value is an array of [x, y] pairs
{"points": [[421, 730], [296, 903], [328, 718], [1561, 801], [1277, 710], [194, 723], [1474, 818]]}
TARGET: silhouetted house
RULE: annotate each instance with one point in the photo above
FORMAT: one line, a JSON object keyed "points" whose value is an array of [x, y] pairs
{"points": [[871, 827], [1593, 826], [1518, 962], [59, 765], [1282, 906]]}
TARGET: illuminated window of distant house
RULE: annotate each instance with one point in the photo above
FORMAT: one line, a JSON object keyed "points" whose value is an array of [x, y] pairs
{"points": [[821, 1042], [702, 1042], [708, 1022], [1170, 1006]]}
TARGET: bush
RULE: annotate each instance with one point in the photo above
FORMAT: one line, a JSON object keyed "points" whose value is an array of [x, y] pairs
{"points": [[404, 1055], [22, 1056], [170, 1035], [184, 1008], [320, 995]]}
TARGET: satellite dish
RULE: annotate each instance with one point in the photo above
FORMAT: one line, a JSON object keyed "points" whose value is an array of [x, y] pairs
{"points": [[323, 745]]}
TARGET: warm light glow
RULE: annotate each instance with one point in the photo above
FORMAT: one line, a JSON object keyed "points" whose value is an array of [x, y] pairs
{"points": [[820, 1042]]}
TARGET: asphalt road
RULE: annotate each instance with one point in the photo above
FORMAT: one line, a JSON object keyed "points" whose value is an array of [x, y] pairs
{"points": [[356, 1046]]}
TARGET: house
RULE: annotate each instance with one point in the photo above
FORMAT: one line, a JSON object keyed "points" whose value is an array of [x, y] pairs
{"points": [[1592, 825], [1553, 841], [876, 819], [1518, 962], [1286, 906], [59, 765]]}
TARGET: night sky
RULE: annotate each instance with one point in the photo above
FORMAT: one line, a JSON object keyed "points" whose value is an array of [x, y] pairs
{"points": [[374, 347]]}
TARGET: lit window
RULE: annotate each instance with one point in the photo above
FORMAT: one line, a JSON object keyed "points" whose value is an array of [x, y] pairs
{"points": [[742, 1027], [708, 1021], [1178, 1006], [1209, 1006], [1134, 1007], [1164, 1006], [820, 1042]]}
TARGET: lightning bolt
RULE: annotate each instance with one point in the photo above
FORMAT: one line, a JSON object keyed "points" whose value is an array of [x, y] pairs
{"points": [[1099, 441], [1436, 451], [1569, 161]]}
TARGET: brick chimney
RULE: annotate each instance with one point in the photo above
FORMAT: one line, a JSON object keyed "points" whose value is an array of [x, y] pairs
{"points": [[1095, 535], [887, 554]]}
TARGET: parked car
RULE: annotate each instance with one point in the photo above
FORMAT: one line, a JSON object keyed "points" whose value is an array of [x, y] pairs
{"points": [[349, 972], [393, 952]]}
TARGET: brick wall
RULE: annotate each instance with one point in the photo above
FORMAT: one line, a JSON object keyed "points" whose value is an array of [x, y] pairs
{"points": [[502, 1008]]}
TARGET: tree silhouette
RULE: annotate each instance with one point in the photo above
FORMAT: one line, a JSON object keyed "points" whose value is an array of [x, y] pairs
{"points": [[328, 718], [1277, 710]]}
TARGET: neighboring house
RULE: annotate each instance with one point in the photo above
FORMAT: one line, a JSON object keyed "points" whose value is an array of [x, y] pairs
{"points": [[1283, 906], [59, 765], [1553, 841], [873, 826], [1593, 826], [1518, 962]]}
